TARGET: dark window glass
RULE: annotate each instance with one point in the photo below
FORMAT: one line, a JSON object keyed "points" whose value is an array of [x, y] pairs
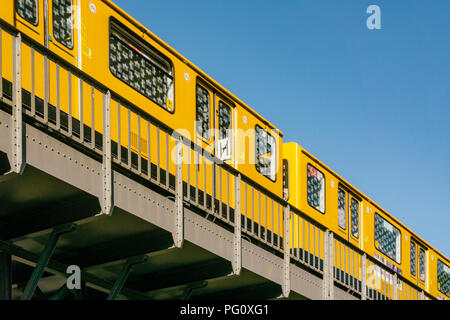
{"points": [[355, 217], [265, 150], [422, 264], [443, 278], [141, 71], [387, 238], [63, 22], [316, 188], [203, 111], [28, 10], [225, 130], [342, 216], [413, 258]]}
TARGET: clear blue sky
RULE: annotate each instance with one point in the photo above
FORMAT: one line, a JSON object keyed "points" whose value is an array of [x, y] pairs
{"points": [[372, 104]]}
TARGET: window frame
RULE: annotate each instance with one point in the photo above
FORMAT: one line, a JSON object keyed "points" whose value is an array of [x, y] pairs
{"points": [[400, 232], [210, 136], [352, 198], [121, 29], [437, 275], [345, 208], [73, 32], [37, 13], [275, 158], [415, 258], [324, 189]]}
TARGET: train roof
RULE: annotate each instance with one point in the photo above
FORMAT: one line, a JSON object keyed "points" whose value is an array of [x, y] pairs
{"points": [[146, 31], [353, 188]]}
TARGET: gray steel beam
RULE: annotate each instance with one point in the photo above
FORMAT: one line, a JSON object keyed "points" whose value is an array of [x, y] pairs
{"points": [[178, 228], [44, 260], [5, 276], [120, 282], [107, 202], [17, 124]]}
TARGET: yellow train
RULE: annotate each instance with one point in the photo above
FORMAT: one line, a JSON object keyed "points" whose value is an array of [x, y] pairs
{"points": [[73, 48]]}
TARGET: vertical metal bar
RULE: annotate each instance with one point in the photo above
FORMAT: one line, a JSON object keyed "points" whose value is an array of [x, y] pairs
{"points": [[149, 158], [287, 256], [273, 229], [246, 208], [237, 261], [204, 181], [314, 246], [331, 253], [17, 136], [46, 87], [81, 107], [363, 278], [188, 166], [58, 99], [395, 286], [221, 192], [326, 269], [33, 84], [259, 214], [92, 117], [129, 138], [139, 146], [119, 134], [196, 174], [1, 64], [213, 185], [158, 164], [265, 218], [304, 244], [253, 210], [167, 162], [107, 203], [228, 196], [69, 119], [298, 235], [309, 243], [178, 236]]}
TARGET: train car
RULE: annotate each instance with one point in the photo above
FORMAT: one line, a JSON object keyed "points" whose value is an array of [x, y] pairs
{"points": [[150, 83], [318, 192]]}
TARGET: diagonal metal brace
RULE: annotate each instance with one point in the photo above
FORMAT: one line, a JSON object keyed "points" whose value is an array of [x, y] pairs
{"points": [[120, 282], [44, 259]]}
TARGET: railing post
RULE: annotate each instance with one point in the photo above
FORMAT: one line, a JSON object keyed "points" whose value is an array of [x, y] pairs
{"points": [[326, 268], [177, 233], [287, 253], [17, 124], [237, 261], [107, 203], [330, 265], [363, 277], [395, 286]]}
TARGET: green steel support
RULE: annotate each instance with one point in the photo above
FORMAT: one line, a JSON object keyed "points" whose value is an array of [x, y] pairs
{"points": [[5, 276], [44, 259], [120, 282]]}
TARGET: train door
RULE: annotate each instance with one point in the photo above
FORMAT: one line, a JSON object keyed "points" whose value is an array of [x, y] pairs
{"points": [[204, 119], [29, 18], [349, 215], [224, 131], [418, 263], [62, 31]]}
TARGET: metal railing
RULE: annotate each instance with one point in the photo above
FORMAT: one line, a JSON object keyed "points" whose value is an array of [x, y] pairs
{"points": [[71, 103]]}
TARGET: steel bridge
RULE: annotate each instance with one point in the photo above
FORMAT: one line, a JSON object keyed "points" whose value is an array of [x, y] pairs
{"points": [[135, 230]]}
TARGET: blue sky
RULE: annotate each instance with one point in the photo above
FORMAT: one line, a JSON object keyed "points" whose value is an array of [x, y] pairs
{"points": [[374, 105]]}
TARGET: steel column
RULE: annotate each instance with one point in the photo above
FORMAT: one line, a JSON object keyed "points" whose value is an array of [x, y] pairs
{"points": [[326, 268], [107, 203], [44, 259], [237, 261], [17, 124], [178, 230], [287, 253], [5, 276], [364, 278], [118, 285], [330, 266]]}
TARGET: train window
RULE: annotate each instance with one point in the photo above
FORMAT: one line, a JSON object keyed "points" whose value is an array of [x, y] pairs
{"points": [[224, 143], [63, 22], [354, 210], [202, 114], [413, 258], [342, 216], [265, 153], [387, 238], [316, 188], [141, 67], [443, 278], [422, 264], [28, 10]]}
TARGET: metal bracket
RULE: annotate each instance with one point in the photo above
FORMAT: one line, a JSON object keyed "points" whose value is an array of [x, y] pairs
{"points": [[44, 259], [118, 285], [237, 260], [287, 253], [17, 137], [178, 230], [107, 203]]}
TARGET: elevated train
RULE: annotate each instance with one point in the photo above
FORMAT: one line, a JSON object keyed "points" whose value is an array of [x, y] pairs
{"points": [[103, 42]]}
